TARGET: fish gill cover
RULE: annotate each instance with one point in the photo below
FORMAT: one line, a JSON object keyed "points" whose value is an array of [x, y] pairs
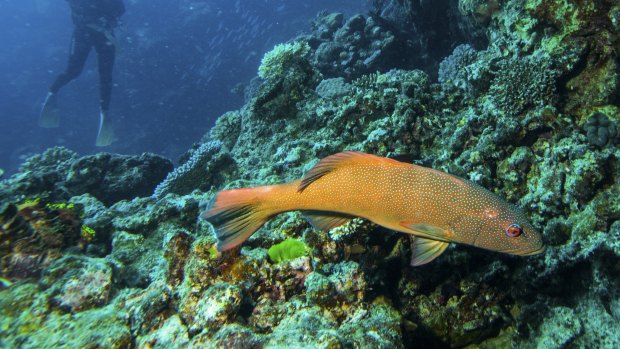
{"points": [[526, 105]]}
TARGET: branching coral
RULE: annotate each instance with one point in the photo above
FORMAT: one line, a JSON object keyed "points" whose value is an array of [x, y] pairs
{"points": [[524, 83], [191, 174]]}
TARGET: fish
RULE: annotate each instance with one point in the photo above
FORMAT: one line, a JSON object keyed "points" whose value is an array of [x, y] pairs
{"points": [[436, 208]]}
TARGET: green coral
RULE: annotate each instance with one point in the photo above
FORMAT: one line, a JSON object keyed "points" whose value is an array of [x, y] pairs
{"points": [[60, 206], [570, 16], [276, 61], [87, 233], [29, 202], [287, 250]]}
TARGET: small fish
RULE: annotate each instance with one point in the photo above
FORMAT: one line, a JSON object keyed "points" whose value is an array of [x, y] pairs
{"points": [[435, 207]]}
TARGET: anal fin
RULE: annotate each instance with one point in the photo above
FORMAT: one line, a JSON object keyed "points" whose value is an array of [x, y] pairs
{"points": [[323, 220], [425, 250]]}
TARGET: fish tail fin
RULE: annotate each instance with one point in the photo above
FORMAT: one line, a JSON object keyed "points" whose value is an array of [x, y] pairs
{"points": [[237, 213]]}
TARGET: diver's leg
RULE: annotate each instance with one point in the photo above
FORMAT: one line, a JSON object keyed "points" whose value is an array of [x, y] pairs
{"points": [[80, 47], [106, 54]]}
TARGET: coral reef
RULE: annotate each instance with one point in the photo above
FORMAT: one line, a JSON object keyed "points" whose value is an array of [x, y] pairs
{"points": [[38, 174], [28, 321], [77, 284], [358, 46], [59, 174], [112, 178], [172, 334], [431, 29], [33, 234], [527, 105]]}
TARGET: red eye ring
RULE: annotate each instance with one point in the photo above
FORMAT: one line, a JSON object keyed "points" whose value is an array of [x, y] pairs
{"points": [[514, 230]]}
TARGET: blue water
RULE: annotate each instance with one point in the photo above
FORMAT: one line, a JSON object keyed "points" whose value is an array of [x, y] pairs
{"points": [[176, 65]]}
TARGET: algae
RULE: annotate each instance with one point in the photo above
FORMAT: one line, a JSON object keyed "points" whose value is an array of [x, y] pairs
{"points": [[287, 250]]}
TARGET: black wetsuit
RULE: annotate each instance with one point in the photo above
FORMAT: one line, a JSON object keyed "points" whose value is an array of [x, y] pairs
{"points": [[94, 22]]}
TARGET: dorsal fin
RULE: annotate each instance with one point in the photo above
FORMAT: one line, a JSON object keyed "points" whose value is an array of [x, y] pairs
{"points": [[339, 160], [406, 158]]}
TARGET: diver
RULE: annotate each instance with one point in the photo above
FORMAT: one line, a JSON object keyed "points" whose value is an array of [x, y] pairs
{"points": [[94, 22]]}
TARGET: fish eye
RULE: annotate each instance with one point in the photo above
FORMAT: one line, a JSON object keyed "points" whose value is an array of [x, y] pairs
{"points": [[514, 230]]}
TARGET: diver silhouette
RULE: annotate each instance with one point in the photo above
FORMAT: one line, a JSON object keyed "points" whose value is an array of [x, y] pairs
{"points": [[94, 22]]}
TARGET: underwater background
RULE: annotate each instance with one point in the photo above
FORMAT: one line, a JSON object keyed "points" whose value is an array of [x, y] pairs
{"points": [[179, 65], [104, 248]]}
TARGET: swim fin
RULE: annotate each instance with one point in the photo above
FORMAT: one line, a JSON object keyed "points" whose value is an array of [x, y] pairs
{"points": [[105, 136], [49, 116]]}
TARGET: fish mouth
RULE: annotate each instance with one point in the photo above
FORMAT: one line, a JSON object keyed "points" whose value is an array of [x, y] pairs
{"points": [[520, 252], [539, 250]]}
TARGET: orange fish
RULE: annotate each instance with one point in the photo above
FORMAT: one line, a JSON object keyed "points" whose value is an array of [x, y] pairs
{"points": [[433, 206]]}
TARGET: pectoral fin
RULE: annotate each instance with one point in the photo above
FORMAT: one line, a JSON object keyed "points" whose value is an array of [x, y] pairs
{"points": [[326, 220], [427, 230], [425, 250]]}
